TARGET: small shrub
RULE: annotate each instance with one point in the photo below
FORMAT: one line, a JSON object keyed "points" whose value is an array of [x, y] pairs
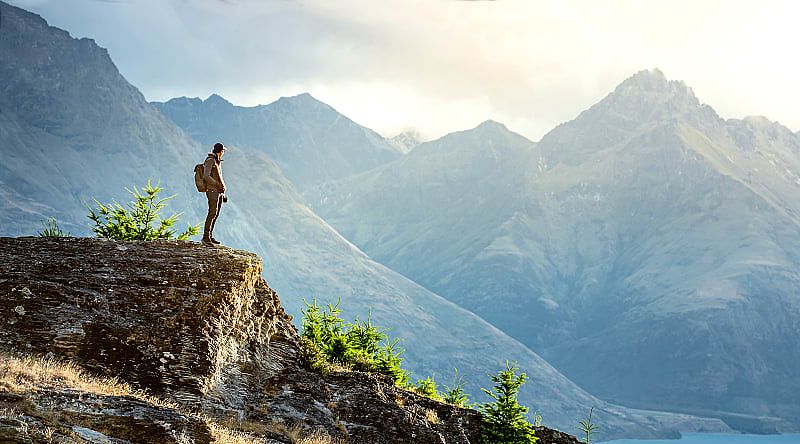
{"points": [[427, 387], [314, 358], [504, 420], [50, 228], [140, 219], [388, 362], [454, 394], [588, 428], [353, 345]]}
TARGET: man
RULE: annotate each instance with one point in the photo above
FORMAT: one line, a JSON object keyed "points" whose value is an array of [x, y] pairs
{"points": [[215, 191]]}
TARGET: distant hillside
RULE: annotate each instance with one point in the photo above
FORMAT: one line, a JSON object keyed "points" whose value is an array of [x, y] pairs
{"points": [[648, 248], [309, 140]]}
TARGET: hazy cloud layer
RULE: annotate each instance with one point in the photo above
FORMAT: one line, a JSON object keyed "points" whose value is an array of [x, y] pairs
{"points": [[441, 66]]}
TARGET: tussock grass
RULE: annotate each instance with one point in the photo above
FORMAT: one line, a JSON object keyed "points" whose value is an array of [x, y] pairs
{"points": [[31, 374], [318, 437], [223, 435], [298, 435], [24, 375]]}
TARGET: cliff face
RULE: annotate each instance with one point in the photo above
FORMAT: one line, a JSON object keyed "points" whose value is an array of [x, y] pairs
{"points": [[192, 325], [181, 321]]}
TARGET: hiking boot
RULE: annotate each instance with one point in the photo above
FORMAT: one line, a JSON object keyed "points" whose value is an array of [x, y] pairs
{"points": [[214, 241], [207, 241]]}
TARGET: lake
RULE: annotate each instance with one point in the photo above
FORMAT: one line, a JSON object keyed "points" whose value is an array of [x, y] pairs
{"points": [[713, 438]]}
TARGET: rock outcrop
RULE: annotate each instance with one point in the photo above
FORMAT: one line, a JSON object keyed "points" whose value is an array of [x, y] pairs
{"points": [[194, 326], [183, 322]]}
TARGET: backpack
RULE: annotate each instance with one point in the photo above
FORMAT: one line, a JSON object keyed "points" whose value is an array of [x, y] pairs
{"points": [[199, 182]]}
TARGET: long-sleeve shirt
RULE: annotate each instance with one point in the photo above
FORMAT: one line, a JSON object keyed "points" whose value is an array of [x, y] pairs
{"points": [[212, 173]]}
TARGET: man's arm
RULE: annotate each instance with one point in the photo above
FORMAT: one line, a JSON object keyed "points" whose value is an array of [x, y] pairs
{"points": [[221, 180], [208, 166]]}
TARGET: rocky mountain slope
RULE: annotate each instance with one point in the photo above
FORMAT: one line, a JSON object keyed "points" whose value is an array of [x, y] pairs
{"points": [[309, 140], [648, 248], [113, 139], [77, 128], [205, 333]]}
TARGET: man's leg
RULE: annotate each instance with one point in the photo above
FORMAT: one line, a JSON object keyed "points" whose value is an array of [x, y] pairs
{"points": [[213, 211], [216, 215]]}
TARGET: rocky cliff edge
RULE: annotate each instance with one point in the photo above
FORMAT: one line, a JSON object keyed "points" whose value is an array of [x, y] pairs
{"points": [[199, 350]]}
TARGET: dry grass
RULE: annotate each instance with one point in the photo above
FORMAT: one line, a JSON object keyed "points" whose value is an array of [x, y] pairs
{"points": [[431, 416], [299, 435], [296, 434], [224, 435], [319, 438], [29, 374]]}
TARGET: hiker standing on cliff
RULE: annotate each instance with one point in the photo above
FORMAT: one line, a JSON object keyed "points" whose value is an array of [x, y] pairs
{"points": [[215, 191]]}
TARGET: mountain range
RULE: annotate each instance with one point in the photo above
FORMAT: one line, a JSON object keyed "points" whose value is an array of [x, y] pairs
{"points": [[308, 139], [80, 131], [648, 248]]}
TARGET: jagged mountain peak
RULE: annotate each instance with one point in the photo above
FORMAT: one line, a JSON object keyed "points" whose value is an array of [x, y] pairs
{"points": [[488, 130], [761, 123], [641, 101], [13, 15], [216, 99], [303, 100], [653, 82], [183, 100], [310, 141], [758, 121], [491, 124], [487, 139], [646, 77]]}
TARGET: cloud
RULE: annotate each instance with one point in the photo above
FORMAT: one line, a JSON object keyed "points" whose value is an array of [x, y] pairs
{"points": [[444, 66]]}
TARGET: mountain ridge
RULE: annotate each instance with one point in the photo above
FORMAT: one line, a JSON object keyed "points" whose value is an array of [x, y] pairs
{"points": [[305, 151], [614, 230]]}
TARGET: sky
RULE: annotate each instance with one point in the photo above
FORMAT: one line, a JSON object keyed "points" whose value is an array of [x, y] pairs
{"points": [[437, 66]]}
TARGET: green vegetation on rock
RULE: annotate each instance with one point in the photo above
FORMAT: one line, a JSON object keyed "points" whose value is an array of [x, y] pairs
{"points": [[588, 428], [454, 394], [504, 420], [50, 228], [140, 219], [330, 341]]}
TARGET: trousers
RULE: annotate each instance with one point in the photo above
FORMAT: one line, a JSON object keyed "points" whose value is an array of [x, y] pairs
{"points": [[214, 205]]}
